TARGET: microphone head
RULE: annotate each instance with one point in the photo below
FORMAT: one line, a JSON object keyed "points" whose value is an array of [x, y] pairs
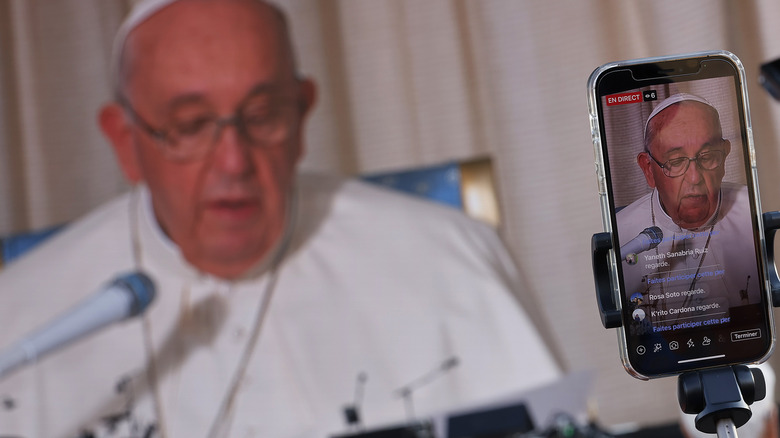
{"points": [[655, 234], [141, 289]]}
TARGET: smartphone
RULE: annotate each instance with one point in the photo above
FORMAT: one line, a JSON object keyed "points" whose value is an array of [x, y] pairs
{"points": [[677, 182]]}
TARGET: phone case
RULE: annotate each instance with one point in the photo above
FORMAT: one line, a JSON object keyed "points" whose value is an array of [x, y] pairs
{"points": [[608, 209]]}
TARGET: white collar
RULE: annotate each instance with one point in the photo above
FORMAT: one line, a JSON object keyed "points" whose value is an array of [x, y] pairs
{"points": [[663, 220]]}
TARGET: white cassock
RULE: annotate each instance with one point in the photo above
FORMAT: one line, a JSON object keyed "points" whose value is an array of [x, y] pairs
{"points": [[371, 282]]}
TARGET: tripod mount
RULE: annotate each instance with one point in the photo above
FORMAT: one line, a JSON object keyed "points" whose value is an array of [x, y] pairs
{"points": [[720, 397]]}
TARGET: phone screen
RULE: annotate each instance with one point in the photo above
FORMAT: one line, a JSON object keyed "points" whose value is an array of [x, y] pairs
{"points": [[684, 214]]}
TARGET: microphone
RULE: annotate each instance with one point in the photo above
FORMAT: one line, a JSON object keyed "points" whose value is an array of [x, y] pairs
{"points": [[406, 391], [125, 297], [649, 238], [352, 412]]}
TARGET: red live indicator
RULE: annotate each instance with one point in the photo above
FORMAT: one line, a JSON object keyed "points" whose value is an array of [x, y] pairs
{"points": [[624, 98]]}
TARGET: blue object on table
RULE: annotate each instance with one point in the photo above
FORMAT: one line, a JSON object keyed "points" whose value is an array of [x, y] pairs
{"points": [[439, 183], [465, 185]]}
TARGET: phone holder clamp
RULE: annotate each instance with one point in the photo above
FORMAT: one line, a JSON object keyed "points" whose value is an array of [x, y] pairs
{"points": [[771, 225], [600, 244]]}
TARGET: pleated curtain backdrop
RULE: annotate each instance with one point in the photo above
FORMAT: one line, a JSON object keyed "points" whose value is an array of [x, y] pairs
{"points": [[405, 83]]}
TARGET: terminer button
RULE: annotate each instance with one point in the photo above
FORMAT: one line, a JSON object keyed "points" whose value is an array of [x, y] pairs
{"points": [[745, 335]]}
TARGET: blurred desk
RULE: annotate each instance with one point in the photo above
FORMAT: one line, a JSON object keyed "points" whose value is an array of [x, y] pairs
{"points": [[671, 430]]}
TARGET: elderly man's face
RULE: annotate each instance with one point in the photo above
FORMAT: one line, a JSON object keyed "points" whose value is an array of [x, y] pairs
{"points": [[687, 129], [198, 60]]}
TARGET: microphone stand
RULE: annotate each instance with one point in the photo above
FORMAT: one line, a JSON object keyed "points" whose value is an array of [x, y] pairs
{"points": [[406, 391], [352, 412], [721, 397]]}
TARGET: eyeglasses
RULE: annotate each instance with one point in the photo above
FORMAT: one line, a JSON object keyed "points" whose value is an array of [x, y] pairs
{"points": [[258, 121], [707, 160]]}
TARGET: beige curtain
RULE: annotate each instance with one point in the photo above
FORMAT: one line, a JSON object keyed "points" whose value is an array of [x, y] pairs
{"points": [[405, 83]]}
